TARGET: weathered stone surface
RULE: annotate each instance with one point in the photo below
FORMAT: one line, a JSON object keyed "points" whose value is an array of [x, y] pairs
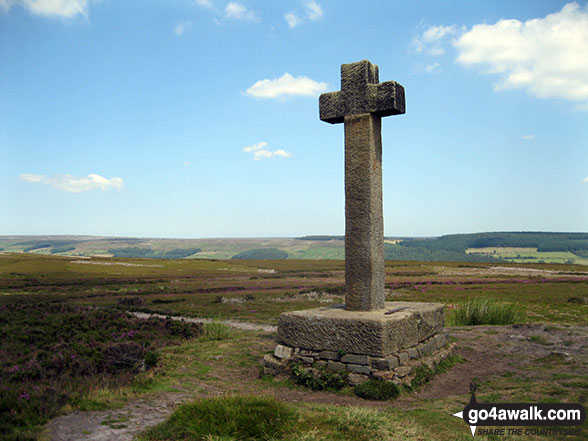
{"points": [[354, 332], [361, 104], [358, 368], [361, 92], [273, 365], [283, 352], [384, 364], [307, 360], [403, 371], [403, 357], [427, 348], [384, 375], [364, 223], [355, 359], [329, 355], [307, 353], [336, 366], [440, 340], [413, 353], [430, 322], [354, 379]]}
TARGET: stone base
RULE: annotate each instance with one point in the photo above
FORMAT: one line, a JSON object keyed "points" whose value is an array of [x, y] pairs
{"points": [[399, 326], [387, 344]]}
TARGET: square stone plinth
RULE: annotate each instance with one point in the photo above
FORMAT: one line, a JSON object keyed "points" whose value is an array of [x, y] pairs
{"points": [[373, 333]]}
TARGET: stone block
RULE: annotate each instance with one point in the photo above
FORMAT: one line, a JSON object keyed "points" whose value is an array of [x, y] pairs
{"points": [[413, 353], [440, 340], [427, 348], [403, 358], [307, 360], [355, 379], [430, 321], [384, 375], [371, 333], [283, 352], [329, 355], [403, 371], [273, 365], [336, 366], [307, 353], [355, 359], [359, 369], [384, 364]]}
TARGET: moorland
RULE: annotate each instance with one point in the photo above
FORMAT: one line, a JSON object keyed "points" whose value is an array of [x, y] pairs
{"points": [[74, 355]]}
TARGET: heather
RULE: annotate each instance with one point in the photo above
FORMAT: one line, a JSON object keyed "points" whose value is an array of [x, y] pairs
{"points": [[51, 352]]}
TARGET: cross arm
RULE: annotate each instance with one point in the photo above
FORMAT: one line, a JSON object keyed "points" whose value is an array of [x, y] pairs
{"points": [[387, 99], [332, 107]]}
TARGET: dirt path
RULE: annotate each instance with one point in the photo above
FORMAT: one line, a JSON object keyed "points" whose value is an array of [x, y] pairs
{"points": [[490, 351], [232, 323]]}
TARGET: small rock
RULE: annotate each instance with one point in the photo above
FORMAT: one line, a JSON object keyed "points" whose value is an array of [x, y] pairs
{"points": [[283, 352]]}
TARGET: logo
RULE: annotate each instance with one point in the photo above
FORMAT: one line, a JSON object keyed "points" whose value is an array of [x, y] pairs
{"points": [[522, 414]]}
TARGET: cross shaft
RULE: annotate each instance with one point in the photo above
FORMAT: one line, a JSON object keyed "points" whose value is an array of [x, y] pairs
{"points": [[360, 105]]}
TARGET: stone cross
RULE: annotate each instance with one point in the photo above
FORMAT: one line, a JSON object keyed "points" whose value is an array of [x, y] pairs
{"points": [[361, 104]]}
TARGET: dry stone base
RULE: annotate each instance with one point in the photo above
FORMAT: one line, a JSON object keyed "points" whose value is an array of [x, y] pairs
{"points": [[398, 367], [379, 333]]}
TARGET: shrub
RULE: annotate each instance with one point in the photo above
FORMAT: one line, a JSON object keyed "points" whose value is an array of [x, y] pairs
{"points": [[217, 331], [422, 374], [151, 359], [55, 350], [377, 390], [318, 379], [124, 357], [242, 418], [485, 312], [130, 301]]}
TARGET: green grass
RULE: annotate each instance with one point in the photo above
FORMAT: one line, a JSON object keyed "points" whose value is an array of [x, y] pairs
{"points": [[485, 312], [377, 390], [235, 418], [217, 331]]}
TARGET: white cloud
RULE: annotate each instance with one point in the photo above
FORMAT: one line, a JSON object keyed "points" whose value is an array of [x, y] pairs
{"points": [[433, 67], [255, 147], [204, 3], [292, 19], [50, 8], [432, 39], [182, 27], [313, 10], [585, 180], [239, 12], [75, 185], [28, 177], [6, 4], [286, 85], [546, 56], [260, 152], [529, 137]]}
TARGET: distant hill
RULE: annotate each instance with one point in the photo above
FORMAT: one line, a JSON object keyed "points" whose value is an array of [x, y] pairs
{"points": [[478, 247]]}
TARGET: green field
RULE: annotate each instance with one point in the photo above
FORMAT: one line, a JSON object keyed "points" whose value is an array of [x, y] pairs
{"points": [[529, 255]]}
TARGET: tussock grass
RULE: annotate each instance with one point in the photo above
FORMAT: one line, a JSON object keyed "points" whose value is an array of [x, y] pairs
{"points": [[485, 312], [377, 390], [242, 418], [217, 330]]}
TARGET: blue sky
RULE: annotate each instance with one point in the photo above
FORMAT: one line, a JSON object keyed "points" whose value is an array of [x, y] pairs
{"points": [[199, 118]]}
